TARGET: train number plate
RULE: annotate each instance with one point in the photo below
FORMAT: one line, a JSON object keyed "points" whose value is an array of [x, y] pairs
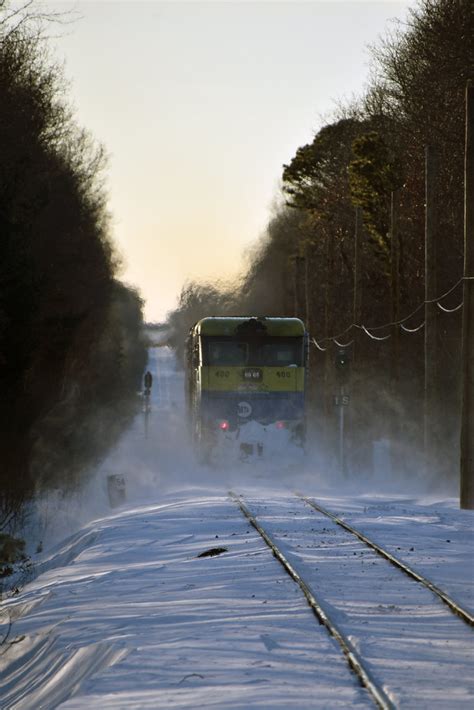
{"points": [[252, 374]]}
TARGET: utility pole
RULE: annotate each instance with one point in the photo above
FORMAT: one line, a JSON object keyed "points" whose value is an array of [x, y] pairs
{"points": [[357, 299], [356, 385], [467, 416], [328, 382], [430, 418], [395, 284], [394, 317]]}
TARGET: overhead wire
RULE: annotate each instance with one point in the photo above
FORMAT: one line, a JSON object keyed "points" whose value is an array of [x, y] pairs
{"points": [[323, 350], [412, 330], [376, 337], [342, 345], [336, 338], [449, 310]]}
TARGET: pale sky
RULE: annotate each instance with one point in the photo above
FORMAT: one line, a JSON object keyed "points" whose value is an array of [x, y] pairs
{"points": [[199, 104]]}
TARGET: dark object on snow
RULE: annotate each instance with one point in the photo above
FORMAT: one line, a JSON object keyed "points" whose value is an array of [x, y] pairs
{"points": [[148, 380], [213, 552], [116, 489], [190, 675]]}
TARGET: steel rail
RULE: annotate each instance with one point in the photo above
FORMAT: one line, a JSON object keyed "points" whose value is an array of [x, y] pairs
{"points": [[451, 603], [364, 676]]}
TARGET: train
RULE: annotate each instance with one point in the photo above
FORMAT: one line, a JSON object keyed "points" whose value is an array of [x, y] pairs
{"points": [[246, 381]]}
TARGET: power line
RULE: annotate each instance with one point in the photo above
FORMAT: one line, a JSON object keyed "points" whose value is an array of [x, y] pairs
{"points": [[343, 345], [450, 310], [336, 338], [375, 337], [412, 330]]}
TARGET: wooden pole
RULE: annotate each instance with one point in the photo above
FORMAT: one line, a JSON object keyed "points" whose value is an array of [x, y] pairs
{"points": [[357, 298], [355, 372], [395, 285], [467, 416], [431, 315], [394, 317], [328, 355]]}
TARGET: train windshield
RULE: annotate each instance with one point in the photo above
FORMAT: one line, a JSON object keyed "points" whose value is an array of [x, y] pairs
{"points": [[227, 353], [270, 352], [282, 354]]}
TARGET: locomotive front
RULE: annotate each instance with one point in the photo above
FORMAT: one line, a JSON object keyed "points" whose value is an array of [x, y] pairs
{"points": [[246, 384]]}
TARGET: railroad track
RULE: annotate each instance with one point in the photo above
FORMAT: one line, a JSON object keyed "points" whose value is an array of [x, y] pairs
{"points": [[455, 607], [325, 611]]}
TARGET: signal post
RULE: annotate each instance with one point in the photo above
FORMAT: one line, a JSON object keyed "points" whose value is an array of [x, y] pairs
{"points": [[147, 385], [341, 400]]}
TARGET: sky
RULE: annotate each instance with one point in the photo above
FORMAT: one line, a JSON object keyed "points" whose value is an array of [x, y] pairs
{"points": [[199, 105]]}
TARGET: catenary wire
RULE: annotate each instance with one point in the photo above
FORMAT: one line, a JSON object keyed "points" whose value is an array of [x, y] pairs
{"points": [[375, 337], [342, 345], [412, 330], [449, 310], [400, 322]]}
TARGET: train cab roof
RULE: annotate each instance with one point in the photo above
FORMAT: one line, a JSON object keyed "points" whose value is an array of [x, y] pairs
{"points": [[249, 326]]}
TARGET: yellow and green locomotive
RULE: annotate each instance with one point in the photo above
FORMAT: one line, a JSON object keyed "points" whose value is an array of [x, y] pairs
{"points": [[245, 383]]}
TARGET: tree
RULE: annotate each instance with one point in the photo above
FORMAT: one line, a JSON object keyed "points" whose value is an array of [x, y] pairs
{"points": [[63, 316], [373, 175]]}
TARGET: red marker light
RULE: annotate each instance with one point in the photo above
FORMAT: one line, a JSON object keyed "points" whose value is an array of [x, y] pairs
{"points": [[224, 425], [280, 425]]}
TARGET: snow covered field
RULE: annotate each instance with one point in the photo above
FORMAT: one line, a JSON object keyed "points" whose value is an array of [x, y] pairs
{"points": [[124, 613]]}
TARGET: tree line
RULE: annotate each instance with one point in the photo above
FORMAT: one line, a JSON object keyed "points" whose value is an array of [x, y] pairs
{"points": [[353, 214], [71, 346]]}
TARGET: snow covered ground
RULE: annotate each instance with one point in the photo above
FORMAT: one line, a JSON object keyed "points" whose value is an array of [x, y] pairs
{"points": [[124, 613]]}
